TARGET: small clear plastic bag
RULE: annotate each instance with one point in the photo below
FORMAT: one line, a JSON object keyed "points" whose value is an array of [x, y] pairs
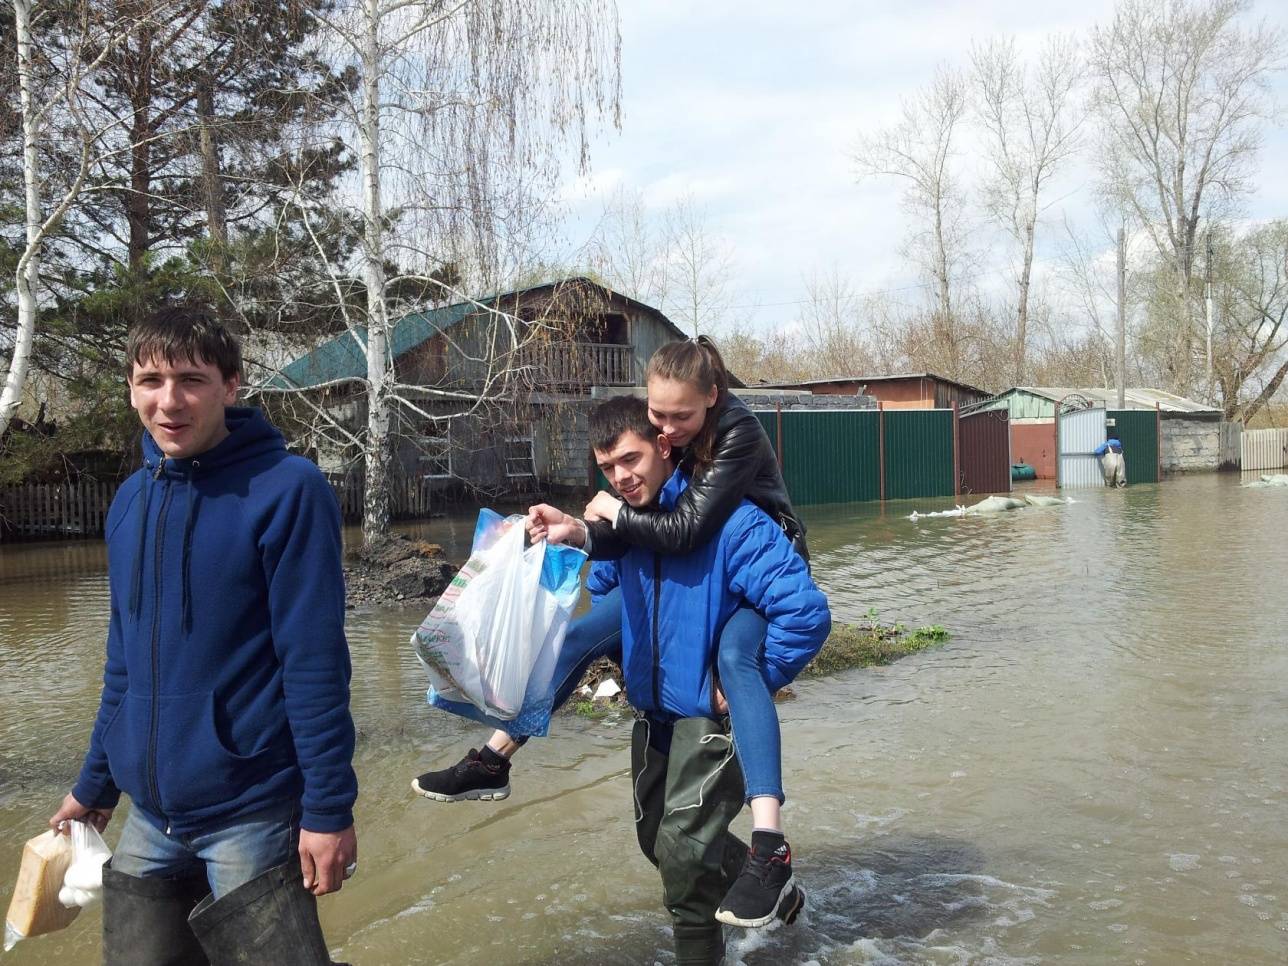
{"points": [[83, 881]]}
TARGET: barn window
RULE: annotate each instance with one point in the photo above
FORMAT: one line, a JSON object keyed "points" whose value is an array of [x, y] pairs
{"points": [[519, 460]]}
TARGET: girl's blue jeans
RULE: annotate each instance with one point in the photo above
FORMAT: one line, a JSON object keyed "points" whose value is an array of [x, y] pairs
{"points": [[739, 663]]}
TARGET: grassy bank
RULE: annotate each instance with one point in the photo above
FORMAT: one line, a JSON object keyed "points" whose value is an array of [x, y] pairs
{"points": [[871, 644], [868, 644]]}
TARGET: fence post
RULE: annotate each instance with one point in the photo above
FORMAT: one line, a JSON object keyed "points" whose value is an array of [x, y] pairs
{"points": [[1059, 459], [778, 409], [881, 447], [1158, 430], [957, 445]]}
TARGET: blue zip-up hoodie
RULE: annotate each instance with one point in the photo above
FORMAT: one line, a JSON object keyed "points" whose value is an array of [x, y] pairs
{"points": [[674, 606], [226, 688]]}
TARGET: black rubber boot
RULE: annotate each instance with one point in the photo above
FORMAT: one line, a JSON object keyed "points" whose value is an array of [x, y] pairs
{"points": [[145, 921], [699, 945], [271, 920]]}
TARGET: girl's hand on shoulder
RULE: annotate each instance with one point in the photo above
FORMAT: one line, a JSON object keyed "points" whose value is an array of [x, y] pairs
{"points": [[603, 507]]}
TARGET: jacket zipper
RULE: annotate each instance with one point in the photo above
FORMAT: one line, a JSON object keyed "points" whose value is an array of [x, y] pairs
{"points": [[657, 648], [156, 648]]}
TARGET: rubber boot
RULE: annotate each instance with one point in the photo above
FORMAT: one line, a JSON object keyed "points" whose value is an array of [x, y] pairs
{"points": [[699, 945], [145, 920], [271, 920]]}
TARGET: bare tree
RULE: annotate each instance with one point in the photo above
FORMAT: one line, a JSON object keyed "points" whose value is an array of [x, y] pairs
{"points": [[1181, 91], [1252, 338], [1088, 282], [461, 108], [832, 326], [699, 268], [628, 250], [918, 149], [1031, 126]]}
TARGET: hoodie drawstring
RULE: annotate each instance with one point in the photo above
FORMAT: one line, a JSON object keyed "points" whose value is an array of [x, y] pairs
{"points": [[136, 588]]}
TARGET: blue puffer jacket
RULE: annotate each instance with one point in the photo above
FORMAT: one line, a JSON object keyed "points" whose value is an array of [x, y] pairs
{"points": [[674, 606], [226, 688]]}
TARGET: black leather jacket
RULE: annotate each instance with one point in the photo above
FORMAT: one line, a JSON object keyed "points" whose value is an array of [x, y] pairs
{"points": [[745, 465]]}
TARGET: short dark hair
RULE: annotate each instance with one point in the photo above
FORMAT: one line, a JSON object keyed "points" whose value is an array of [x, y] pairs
{"points": [[182, 333], [614, 418]]}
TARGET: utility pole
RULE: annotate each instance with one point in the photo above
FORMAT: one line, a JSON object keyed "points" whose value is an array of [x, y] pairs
{"points": [[1121, 367], [1211, 385]]}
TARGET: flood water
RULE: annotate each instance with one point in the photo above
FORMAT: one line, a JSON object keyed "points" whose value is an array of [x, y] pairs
{"points": [[1093, 770]]}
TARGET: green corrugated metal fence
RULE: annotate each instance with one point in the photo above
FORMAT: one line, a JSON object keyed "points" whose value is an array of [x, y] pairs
{"points": [[834, 456], [918, 453], [829, 456], [1138, 430]]}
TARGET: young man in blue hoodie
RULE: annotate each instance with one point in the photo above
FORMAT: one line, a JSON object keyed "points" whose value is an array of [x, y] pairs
{"points": [[685, 778], [225, 707]]}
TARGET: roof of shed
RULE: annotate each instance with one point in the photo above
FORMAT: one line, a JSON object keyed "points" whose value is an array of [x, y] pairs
{"points": [[869, 379], [1134, 398], [344, 356]]}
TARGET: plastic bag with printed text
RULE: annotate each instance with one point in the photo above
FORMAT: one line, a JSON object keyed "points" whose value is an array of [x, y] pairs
{"points": [[492, 640]]}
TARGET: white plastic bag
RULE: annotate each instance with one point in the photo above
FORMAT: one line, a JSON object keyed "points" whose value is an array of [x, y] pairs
{"points": [[83, 881], [492, 640]]}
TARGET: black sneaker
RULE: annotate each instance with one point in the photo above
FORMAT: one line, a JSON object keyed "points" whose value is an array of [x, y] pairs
{"points": [[763, 891], [470, 779]]}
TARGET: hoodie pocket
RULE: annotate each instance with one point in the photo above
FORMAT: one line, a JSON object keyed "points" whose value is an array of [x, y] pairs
{"points": [[195, 769]]}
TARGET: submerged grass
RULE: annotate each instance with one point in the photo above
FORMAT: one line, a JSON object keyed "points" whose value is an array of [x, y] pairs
{"points": [[871, 644]]}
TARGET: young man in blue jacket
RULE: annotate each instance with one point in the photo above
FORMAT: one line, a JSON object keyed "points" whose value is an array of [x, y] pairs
{"points": [[685, 777], [225, 707]]}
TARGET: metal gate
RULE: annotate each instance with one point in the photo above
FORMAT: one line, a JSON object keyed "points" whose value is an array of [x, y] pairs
{"points": [[985, 458], [1078, 433], [1138, 430]]}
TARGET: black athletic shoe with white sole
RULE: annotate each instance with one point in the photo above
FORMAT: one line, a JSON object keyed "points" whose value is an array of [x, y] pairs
{"points": [[470, 779], [764, 891]]}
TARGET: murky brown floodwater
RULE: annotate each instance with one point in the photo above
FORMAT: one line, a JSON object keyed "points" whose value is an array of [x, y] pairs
{"points": [[1092, 771]]}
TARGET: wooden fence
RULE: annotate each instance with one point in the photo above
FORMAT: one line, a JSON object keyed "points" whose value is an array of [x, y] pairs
{"points": [[1264, 449], [408, 498], [54, 511], [61, 511]]}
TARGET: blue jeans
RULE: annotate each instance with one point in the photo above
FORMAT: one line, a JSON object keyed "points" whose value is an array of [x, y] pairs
{"points": [[740, 661], [229, 856], [597, 633]]}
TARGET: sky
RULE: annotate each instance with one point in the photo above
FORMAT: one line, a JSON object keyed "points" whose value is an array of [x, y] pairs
{"points": [[753, 109]]}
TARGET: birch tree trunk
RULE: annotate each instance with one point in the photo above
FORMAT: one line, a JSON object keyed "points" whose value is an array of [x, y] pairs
{"points": [[375, 507], [28, 270]]}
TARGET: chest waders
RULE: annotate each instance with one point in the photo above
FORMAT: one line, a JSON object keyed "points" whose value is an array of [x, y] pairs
{"points": [[685, 796]]}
